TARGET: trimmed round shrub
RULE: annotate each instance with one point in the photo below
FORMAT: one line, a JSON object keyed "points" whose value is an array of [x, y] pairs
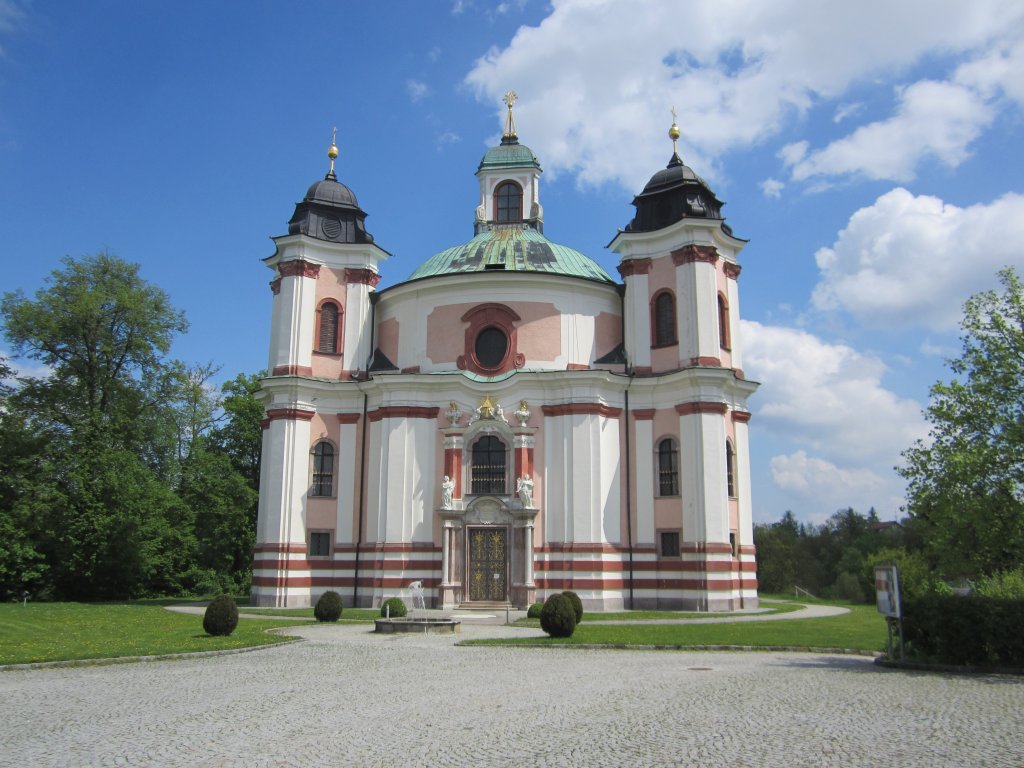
{"points": [[394, 607], [577, 605], [533, 612], [558, 618], [328, 607], [221, 616]]}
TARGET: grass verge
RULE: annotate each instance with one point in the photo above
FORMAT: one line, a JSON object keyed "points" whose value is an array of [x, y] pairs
{"points": [[861, 629], [349, 614], [70, 631], [626, 616]]}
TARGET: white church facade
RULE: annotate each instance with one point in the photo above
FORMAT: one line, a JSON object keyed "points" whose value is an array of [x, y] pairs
{"points": [[510, 421]]}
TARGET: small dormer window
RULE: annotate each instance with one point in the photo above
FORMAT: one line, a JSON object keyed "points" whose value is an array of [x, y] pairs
{"points": [[508, 203]]}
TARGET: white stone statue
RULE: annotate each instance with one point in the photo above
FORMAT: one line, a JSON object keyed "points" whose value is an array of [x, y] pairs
{"points": [[522, 413], [453, 413], [447, 489], [524, 487]]}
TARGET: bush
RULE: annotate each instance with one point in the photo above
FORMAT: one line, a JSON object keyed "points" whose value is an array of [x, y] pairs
{"points": [[534, 610], [577, 605], [221, 616], [848, 587], [328, 607], [1008, 585], [393, 607], [558, 618], [950, 629]]}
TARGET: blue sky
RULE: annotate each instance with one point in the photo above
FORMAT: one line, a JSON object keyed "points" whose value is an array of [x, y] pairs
{"points": [[870, 152]]}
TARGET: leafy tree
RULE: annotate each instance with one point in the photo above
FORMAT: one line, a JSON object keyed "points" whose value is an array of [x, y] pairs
{"points": [[240, 436], [106, 522], [966, 483], [22, 566], [103, 331]]}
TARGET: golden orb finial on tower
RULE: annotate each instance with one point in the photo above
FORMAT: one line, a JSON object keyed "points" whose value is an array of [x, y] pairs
{"points": [[674, 133], [332, 152], [510, 124]]}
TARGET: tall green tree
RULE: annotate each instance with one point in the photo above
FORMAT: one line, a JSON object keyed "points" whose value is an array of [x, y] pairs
{"points": [[107, 523], [966, 481]]}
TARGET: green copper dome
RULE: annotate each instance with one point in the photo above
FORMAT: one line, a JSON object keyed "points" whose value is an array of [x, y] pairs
{"points": [[511, 248], [509, 154]]}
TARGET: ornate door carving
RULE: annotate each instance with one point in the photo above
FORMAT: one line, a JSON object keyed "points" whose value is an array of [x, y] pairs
{"points": [[488, 564]]}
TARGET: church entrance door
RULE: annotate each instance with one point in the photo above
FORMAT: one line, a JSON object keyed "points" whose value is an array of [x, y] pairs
{"points": [[488, 564]]}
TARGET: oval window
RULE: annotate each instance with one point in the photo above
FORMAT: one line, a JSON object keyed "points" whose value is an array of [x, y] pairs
{"points": [[491, 346]]}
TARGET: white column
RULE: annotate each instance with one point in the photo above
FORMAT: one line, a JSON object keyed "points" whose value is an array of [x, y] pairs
{"points": [[644, 453], [529, 556], [446, 532], [348, 484], [638, 320], [741, 468], [296, 316], [735, 339], [357, 327], [702, 468]]}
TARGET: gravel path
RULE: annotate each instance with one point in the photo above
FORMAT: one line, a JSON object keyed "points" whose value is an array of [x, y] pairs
{"points": [[347, 697]]}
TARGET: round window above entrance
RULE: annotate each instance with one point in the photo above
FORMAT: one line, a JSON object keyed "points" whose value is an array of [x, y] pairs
{"points": [[491, 347]]}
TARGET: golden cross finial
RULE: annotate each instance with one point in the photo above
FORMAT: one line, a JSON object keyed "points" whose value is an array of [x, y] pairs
{"points": [[673, 132], [510, 123], [332, 152]]}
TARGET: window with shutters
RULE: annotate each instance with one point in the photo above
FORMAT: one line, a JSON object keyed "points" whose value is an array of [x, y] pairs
{"points": [[328, 327], [508, 203], [663, 319], [487, 474], [724, 341], [730, 469], [668, 468], [323, 469]]}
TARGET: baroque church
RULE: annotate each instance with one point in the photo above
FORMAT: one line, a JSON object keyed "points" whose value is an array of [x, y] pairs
{"points": [[509, 421]]}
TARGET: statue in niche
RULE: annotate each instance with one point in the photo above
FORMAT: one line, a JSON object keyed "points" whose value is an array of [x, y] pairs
{"points": [[447, 489], [524, 487]]}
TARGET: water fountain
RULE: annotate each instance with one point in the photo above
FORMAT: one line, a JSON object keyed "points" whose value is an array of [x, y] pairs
{"points": [[421, 624]]}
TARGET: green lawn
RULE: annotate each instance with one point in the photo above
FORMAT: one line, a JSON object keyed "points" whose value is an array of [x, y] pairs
{"points": [[63, 631], [658, 615], [862, 629], [349, 614]]}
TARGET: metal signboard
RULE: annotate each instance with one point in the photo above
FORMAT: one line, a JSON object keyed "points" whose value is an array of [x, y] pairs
{"points": [[887, 590]]}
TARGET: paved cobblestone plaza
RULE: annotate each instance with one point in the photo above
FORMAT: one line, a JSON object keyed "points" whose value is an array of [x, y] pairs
{"points": [[347, 697]]}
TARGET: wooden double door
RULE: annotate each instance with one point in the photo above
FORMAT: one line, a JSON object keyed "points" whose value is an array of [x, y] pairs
{"points": [[488, 563]]}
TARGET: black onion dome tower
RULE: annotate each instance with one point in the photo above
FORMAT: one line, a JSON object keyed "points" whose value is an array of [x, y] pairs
{"points": [[330, 211], [674, 193]]}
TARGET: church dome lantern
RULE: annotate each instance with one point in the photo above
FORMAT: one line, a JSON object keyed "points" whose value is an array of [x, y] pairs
{"points": [[673, 193], [330, 211]]}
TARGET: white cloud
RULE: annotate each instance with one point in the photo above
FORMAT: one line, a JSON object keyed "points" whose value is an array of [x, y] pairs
{"points": [[934, 119], [417, 90], [772, 188], [828, 401], [846, 110], [459, 6], [738, 75], [911, 260], [827, 397], [447, 137]]}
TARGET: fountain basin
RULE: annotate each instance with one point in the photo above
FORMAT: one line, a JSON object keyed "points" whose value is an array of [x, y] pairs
{"points": [[428, 625]]}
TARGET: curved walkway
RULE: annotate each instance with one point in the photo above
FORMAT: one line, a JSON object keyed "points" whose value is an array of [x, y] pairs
{"points": [[349, 697]]}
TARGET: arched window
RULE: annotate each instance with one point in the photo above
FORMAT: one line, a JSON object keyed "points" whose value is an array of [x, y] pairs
{"points": [[663, 311], [668, 468], [723, 323], [730, 469], [323, 469], [488, 470], [508, 203], [327, 334]]}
